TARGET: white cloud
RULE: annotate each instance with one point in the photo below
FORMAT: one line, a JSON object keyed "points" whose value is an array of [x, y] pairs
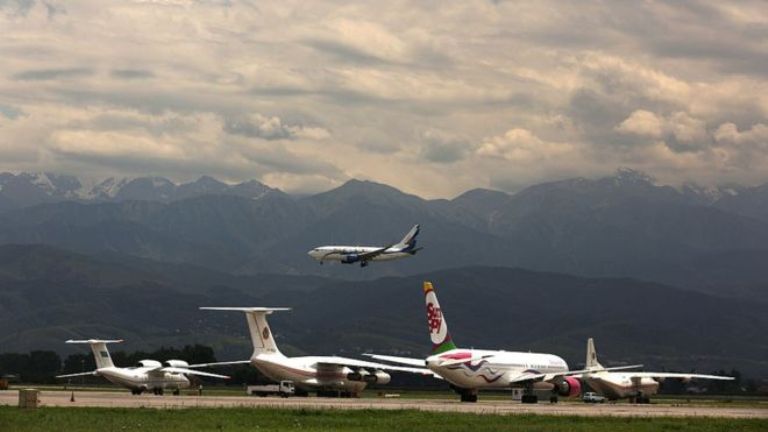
{"points": [[308, 94]]}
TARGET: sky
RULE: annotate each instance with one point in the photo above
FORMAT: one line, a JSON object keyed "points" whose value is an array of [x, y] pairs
{"points": [[432, 97]]}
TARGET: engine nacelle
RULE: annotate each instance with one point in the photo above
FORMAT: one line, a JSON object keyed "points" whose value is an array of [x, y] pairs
{"points": [[150, 364], [350, 259], [359, 375], [177, 363], [378, 377], [568, 387], [382, 377]]}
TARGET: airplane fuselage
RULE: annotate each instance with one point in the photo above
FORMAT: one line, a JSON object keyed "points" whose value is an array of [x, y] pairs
{"points": [[495, 369], [614, 385], [305, 374], [347, 254], [141, 378]]}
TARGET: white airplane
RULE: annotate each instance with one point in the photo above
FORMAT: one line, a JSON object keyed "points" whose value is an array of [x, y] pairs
{"points": [[365, 254], [470, 370], [328, 375], [149, 375], [637, 386]]}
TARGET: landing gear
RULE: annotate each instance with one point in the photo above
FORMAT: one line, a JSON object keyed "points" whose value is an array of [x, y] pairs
{"points": [[158, 391], [553, 399], [363, 263], [301, 393], [469, 396], [136, 391], [176, 392], [640, 399], [529, 397]]}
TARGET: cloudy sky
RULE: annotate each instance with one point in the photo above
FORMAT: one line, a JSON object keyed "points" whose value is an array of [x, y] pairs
{"points": [[433, 97]]}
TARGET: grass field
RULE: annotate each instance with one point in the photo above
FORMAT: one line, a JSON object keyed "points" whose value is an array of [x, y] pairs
{"points": [[241, 419]]}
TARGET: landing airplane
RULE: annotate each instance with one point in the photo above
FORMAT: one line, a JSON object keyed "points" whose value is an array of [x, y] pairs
{"points": [[327, 375], [149, 375], [470, 370], [365, 254], [637, 386]]}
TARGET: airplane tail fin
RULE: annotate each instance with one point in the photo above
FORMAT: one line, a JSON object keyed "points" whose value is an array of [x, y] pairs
{"points": [[438, 328], [261, 335], [408, 243], [592, 362], [100, 351]]}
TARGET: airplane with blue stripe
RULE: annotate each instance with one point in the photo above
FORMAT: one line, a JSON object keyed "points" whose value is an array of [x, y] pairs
{"points": [[365, 254]]}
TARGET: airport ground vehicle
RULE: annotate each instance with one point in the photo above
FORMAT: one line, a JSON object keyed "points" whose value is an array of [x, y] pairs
{"points": [[592, 397], [283, 388]]}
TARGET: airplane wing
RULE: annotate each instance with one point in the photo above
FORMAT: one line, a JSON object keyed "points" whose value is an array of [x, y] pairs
{"points": [[674, 375], [354, 363], [551, 376], [186, 371], [374, 253], [204, 365], [408, 361], [91, 373]]}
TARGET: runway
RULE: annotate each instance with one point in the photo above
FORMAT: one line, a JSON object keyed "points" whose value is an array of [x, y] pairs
{"points": [[116, 399]]}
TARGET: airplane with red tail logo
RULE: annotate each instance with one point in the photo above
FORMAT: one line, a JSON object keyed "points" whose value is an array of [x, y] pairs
{"points": [[471, 370]]}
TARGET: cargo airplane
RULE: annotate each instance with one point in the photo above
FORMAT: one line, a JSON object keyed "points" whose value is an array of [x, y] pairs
{"points": [[471, 370], [148, 375], [365, 254], [637, 386], [327, 375]]}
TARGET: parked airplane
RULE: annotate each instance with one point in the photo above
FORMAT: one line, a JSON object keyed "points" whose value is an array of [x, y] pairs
{"points": [[149, 375], [365, 254], [637, 386], [470, 370], [328, 375]]}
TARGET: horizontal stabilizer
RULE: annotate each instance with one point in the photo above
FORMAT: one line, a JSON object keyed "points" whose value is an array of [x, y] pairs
{"points": [[94, 341], [248, 309]]}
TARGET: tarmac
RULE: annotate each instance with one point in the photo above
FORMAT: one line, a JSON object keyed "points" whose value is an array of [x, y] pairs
{"points": [[116, 399]]}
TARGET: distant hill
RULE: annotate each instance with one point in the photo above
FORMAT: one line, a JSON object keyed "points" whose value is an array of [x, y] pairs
{"points": [[48, 295], [624, 225]]}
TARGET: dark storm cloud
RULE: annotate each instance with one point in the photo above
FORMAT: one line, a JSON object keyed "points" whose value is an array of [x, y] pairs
{"points": [[131, 74], [52, 74]]}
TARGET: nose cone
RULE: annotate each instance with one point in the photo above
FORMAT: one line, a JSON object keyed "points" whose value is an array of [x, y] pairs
{"points": [[314, 253], [433, 362]]}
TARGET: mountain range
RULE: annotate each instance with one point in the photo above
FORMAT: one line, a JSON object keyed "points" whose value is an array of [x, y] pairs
{"points": [[710, 240], [49, 295]]}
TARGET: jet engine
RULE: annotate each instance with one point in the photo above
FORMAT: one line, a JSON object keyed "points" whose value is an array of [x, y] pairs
{"points": [[150, 364], [382, 377], [350, 259], [378, 377], [568, 387], [177, 363]]}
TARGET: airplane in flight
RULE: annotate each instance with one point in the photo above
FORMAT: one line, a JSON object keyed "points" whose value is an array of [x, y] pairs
{"points": [[471, 370], [365, 254], [327, 375], [637, 386], [148, 375]]}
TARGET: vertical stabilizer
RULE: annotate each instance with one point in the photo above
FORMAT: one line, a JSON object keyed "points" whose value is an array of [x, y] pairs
{"points": [[592, 362], [261, 335], [438, 328], [100, 351], [409, 241]]}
